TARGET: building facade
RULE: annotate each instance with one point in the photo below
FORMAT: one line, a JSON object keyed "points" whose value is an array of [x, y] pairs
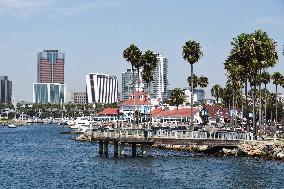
{"points": [[159, 86], [5, 90], [188, 93], [101, 88], [127, 83], [200, 94], [50, 67], [79, 97], [53, 93]]}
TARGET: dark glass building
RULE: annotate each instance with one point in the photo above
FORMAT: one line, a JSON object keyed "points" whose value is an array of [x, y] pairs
{"points": [[5, 90]]}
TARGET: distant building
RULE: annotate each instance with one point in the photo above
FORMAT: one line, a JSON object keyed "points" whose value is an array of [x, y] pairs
{"points": [[127, 83], [5, 90], [200, 94], [53, 93], [188, 93], [159, 86], [50, 87], [79, 97], [50, 67], [280, 97], [101, 88]]}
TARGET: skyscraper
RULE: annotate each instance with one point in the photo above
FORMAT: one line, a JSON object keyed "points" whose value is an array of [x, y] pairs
{"points": [[5, 90], [159, 86], [50, 67], [127, 83], [101, 88], [50, 87]]}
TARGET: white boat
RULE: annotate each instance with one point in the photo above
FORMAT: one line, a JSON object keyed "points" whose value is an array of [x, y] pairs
{"points": [[12, 125], [81, 124]]}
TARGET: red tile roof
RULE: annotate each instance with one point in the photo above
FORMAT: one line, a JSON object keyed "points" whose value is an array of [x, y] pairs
{"points": [[109, 111], [130, 102], [181, 112]]}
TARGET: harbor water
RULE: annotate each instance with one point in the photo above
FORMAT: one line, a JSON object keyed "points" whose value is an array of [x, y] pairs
{"points": [[40, 157]]}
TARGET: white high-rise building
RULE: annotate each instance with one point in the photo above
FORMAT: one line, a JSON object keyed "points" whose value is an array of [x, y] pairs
{"points": [[159, 86], [101, 88]]}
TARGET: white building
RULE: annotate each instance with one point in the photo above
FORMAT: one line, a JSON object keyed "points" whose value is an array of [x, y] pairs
{"points": [[101, 88], [159, 86], [188, 93]]}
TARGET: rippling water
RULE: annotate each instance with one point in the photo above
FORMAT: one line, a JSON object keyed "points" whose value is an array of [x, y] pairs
{"points": [[41, 157]]}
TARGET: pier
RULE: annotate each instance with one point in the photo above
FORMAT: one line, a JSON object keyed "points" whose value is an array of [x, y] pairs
{"points": [[134, 138]]}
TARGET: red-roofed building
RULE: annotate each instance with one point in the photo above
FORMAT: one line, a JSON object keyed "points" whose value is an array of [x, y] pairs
{"points": [[109, 112], [140, 102], [181, 114]]}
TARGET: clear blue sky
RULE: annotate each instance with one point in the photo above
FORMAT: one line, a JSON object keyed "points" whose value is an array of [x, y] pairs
{"points": [[94, 33]]}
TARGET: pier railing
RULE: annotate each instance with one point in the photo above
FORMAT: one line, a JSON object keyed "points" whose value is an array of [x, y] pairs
{"points": [[170, 134]]}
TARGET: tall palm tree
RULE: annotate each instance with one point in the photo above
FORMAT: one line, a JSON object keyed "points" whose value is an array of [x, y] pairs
{"points": [[256, 51], [191, 52], [265, 79], [132, 54], [150, 61], [216, 92], [277, 80]]}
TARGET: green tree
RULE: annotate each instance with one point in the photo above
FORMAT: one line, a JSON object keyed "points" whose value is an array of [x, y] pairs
{"points": [[177, 97], [277, 80], [132, 54], [256, 51], [265, 79], [216, 92], [191, 52], [150, 62]]}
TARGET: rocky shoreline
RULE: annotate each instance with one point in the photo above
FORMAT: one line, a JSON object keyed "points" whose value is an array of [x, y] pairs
{"points": [[261, 149], [265, 149]]}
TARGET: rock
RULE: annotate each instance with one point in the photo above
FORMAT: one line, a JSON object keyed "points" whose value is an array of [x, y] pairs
{"points": [[254, 152], [280, 155], [203, 147]]}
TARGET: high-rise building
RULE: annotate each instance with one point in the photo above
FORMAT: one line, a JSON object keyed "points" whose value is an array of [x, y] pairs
{"points": [[5, 90], [127, 83], [50, 87], [50, 67], [159, 86], [101, 88], [53, 93]]}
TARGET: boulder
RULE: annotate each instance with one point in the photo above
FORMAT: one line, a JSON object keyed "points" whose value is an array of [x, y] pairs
{"points": [[280, 155]]}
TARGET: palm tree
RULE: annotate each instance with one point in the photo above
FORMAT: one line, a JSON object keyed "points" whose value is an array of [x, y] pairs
{"points": [[265, 79], [150, 61], [132, 54], [216, 92], [195, 81], [203, 81], [177, 97], [277, 80], [256, 51], [191, 52]]}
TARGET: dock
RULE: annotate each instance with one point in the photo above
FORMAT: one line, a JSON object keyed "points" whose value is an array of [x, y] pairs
{"points": [[119, 138]]}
